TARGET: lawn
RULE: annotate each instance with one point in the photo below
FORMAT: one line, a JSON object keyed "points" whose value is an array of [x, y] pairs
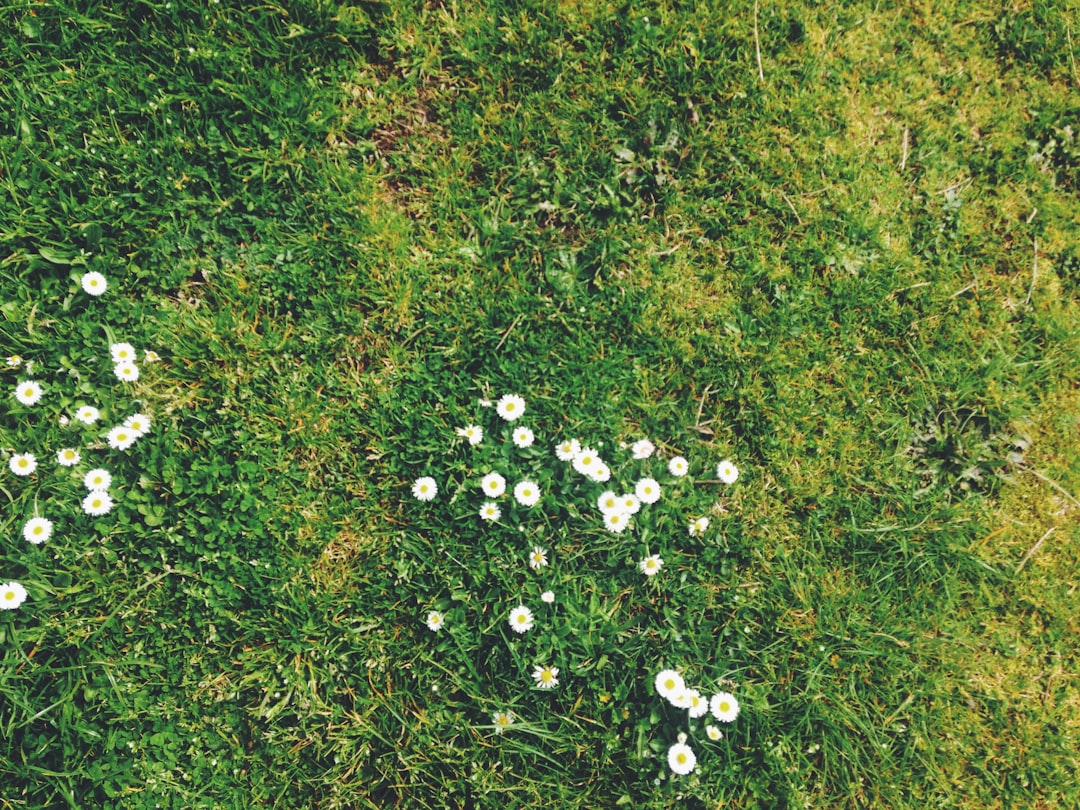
{"points": [[381, 311]]}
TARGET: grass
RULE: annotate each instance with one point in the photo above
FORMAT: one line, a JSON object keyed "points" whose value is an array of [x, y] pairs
{"points": [[847, 264]]}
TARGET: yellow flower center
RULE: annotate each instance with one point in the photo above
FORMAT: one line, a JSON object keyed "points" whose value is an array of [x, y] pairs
{"points": [[546, 676], [9, 595], [669, 684], [725, 706], [522, 618], [681, 758], [23, 462]]}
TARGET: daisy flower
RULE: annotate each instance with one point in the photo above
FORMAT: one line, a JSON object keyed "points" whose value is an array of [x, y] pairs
{"points": [[698, 706], [87, 414], [94, 283], [68, 457], [527, 493], [724, 707], [698, 527], [28, 392], [642, 449], [473, 433], [97, 503], [586, 461], [609, 502], [37, 530], [12, 594], [546, 677], [138, 422], [490, 511], [150, 356], [568, 450], [121, 438], [650, 566], [538, 558], [616, 522], [14, 361], [681, 759], [668, 682], [435, 621], [727, 472], [424, 489], [510, 407], [521, 619], [647, 490], [678, 466], [713, 732], [630, 504], [127, 372], [523, 437], [601, 473], [502, 721], [493, 485], [122, 353], [22, 464], [548, 597], [97, 480], [680, 699]]}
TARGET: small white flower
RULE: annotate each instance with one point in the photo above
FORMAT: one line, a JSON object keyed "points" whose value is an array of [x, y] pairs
{"points": [[424, 489], [150, 356], [681, 759], [699, 526], [97, 480], [120, 438], [490, 511], [97, 503], [37, 530], [547, 597], [523, 437], [642, 449], [502, 721], [681, 699], [28, 392], [630, 504], [12, 594], [122, 353], [537, 558], [435, 621], [546, 677], [727, 472], [678, 466], [724, 707], [698, 706], [647, 490], [601, 473], [527, 493], [94, 283], [493, 485], [668, 682], [586, 461], [485, 403], [87, 414], [139, 423], [473, 433], [713, 732], [64, 421], [14, 361], [616, 522], [68, 457], [22, 464], [521, 619], [609, 502], [128, 372], [651, 565], [568, 450], [510, 407]]}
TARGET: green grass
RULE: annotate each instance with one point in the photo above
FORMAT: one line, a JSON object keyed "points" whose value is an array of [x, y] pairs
{"points": [[835, 245]]}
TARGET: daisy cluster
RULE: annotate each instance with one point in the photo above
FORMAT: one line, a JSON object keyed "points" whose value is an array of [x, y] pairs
{"points": [[616, 496], [82, 438]]}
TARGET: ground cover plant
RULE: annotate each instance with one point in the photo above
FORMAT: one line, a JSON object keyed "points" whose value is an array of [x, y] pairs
{"points": [[825, 256]]}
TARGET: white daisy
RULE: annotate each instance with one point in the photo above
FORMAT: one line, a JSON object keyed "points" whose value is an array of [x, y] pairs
{"points": [[678, 466], [546, 677], [601, 473], [138, 422], [68, 457], [424, 489], [122, 353], [586, 461], [609, 502], [22, 464], [668, 682], [568, 450], [713, 732], [29, 392], [548, 597], [121, 438], [87, 414], [510, 407], [647, 490], [490, 511], [537, 558], [94, 283], [727, 472], [681, 759], [37, 530], [150, 356], [97, 480], [493, 485], [698, 706], [521, 619], [630, 504], [473, 433], [435, 621], [651, 565], [502, 721], [97, 503], [527, 493], [523, 437], [724, 707], [680, 698], [642, 449], [12, 594], [128, 372], [616, 522], [14, 361], [698, 527]]}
